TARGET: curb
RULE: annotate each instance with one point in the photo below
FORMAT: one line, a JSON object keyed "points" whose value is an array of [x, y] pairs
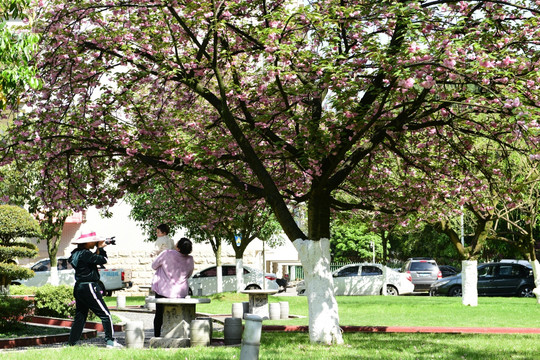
{"points": [[43, 340], [45, 320]]}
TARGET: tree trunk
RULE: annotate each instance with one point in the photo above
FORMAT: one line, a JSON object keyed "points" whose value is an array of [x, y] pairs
{"points": [[239, 273], [469, 281], [53, 276], [219, 273], [536, 271], [323, 310]]}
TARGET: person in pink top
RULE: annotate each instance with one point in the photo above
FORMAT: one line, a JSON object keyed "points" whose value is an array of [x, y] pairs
{"points": [[173, 269]]}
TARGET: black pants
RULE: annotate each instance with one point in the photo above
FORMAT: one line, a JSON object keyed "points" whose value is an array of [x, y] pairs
{"points": [[158, 318], [88, 297]]}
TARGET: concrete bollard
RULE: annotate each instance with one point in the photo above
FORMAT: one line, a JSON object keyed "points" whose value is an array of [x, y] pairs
{"points": [[232, 331], [200, 333], [238, 310], [251, 340], [284, 309], [245, 305], [150, 305], [120, 301], [275, 311], [134, 334], [210, 324]]}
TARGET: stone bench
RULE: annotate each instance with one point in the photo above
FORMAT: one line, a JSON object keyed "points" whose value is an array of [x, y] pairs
{"points": [[177, 317]]}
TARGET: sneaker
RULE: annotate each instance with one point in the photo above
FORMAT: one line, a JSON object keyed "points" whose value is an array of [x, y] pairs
{"points": [[113, 344]]}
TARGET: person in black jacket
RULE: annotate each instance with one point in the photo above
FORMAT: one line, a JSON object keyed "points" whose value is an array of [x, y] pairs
{"points": [[87, 291]]}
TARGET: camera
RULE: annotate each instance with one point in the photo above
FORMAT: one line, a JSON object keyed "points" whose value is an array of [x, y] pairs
{"points": [[110, 241]]}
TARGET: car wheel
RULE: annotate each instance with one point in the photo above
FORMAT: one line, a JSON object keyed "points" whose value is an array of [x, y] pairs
{"points": [[190, 292], [302, 292], [253, 287], [391, 290], [525, 291], [455, 291]]}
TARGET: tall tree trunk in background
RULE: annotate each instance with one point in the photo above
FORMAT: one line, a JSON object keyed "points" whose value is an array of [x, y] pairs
{"points": [[536, 271], [219, 268], [469, 281], [469, 254], [239, 273]]}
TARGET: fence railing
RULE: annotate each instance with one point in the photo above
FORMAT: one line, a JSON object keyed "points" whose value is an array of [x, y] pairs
{"points": [[299, 270]]}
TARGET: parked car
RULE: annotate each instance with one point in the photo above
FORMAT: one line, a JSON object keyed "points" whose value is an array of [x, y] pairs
{"points": [[494, 279], [111, 279], [366, 279], [447, 270], [205, 282], [423, 271]]}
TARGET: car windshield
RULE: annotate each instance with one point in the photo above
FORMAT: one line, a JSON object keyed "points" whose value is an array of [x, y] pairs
{"points": [[423, 266]]}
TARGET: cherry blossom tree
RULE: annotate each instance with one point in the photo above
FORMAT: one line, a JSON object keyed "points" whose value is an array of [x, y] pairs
{"points": [[288, 102]]}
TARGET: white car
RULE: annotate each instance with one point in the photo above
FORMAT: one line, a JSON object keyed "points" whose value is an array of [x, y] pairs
{"points": [[110, 279], [205, 282], [366, 279]]}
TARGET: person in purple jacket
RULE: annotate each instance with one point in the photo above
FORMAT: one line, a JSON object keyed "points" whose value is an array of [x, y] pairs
{"points": [[173, 269]]}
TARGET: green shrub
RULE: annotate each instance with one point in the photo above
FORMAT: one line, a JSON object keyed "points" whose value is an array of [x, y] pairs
{"points": [[55, 301], [12, 309], [22, 290]]}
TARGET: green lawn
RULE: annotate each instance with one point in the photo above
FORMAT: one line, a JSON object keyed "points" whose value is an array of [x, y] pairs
{"points": [[376, 310], [396, 311]]}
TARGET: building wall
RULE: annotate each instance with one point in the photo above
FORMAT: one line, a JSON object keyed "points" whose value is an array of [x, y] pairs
{"points": [[132, 251]]}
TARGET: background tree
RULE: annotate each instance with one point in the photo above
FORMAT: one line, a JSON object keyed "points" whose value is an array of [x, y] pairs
{"points": [[15, 223], [423, 241], [225, 218], [351, 241], [290, 104]]}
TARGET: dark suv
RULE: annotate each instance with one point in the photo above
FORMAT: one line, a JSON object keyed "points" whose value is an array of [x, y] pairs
{"points": [[494, 279], [424, 272]]}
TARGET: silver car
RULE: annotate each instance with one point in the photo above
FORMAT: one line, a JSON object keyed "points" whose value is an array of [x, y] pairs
{"points": [[110, 279], [205, 282], [423, 271], [366, 279]]}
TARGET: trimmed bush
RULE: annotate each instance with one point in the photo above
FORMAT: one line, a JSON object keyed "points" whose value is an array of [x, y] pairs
{"points": [[22, 290], [12, 309], [15, 222], [55, 301]]}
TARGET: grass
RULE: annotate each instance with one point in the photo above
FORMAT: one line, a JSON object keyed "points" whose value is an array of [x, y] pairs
{"points": [[368, 310], [285, 346], [395, 311]]}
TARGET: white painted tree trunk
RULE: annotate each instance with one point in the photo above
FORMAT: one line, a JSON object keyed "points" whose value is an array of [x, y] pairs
{"points": [[219, 279], [385, 282], [239, 273], [54, 276], [469, 282], [536, 271], [323, 309]]}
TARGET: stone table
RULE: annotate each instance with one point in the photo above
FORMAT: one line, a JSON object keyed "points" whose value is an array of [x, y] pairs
{"points": [[258, 302], [177, 316]]}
